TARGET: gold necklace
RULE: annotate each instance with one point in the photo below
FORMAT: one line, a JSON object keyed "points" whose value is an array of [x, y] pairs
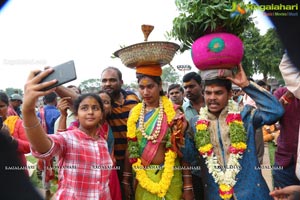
{"points": [[154, 135]]}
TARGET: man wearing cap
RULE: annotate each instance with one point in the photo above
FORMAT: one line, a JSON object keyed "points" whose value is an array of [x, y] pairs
{"points": [[224, 137], [14, 105]]}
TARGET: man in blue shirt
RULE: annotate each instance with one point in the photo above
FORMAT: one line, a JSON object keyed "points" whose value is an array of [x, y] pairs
{"points": [[49, 113], [228, 160]]}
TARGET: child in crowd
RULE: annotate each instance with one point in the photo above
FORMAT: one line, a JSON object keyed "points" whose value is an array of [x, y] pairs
{"points": [[84, 163]]}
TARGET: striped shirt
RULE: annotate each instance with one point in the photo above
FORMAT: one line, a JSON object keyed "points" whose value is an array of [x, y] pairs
{"points": [[84, 165], [118, 122]]}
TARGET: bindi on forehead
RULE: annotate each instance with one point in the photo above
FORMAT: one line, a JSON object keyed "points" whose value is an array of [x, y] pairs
{"points": [[144, 81]]}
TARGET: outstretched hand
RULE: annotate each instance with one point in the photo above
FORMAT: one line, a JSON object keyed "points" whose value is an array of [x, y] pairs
{"points": [[33, 87], [240, 78], [291, 192]]}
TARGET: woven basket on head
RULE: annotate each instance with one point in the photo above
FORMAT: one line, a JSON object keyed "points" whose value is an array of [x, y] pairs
{"points": [[147, 53]]}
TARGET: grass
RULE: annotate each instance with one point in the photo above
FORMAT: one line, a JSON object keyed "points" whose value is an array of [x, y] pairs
{"points": [[272, 149], [36, 181]]}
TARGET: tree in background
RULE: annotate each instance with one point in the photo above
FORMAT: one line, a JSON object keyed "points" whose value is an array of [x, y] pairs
{"points": [[170, 75], [262, 53], [10, 91], [271, 51], [90, 85], [251, 39]]}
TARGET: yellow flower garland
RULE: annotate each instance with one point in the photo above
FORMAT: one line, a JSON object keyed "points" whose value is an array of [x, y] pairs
{"points": [[161, 188]]}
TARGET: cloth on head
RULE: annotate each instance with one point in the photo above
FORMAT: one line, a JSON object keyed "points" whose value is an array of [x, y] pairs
{"points": [[215, 73], [16, 97], [151, 70]]}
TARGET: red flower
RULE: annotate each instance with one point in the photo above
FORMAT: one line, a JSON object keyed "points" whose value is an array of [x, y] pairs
{"points": [[132, 139], [202, 121], [236, 151], [208, 152], [233, 150], [226, 192], [233, 116], [132, 160]]}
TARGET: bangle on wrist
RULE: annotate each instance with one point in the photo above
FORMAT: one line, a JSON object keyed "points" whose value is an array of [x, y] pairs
{"points": [[186, 175], [31, 127], [129, 174], [125, 183]]}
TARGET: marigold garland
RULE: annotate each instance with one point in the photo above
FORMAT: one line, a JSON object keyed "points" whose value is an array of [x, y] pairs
{"points": [[161, 188], [224, 177]]}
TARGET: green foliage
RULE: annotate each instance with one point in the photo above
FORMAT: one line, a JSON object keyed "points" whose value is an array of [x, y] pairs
{"points": [[90, 85], [202, 138], [199, 17], [10, 91], [235, 133], [169, 75], [251, 39], [262, 53], [271, 51]]}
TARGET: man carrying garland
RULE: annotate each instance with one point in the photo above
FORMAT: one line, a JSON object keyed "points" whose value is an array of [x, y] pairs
{"points": [[225, 138]]}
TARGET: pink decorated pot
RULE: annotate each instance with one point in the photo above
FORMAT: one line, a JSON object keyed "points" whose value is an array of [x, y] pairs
{"points": [[217, 50]]}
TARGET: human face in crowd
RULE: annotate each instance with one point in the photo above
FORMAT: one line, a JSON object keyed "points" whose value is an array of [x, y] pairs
{"points": [[106, 103], [149, 91], [75, 89], [176, 96], [192, 90], [15, 103], [89, 113], [111, 83], [216, 98], [3, 110]]}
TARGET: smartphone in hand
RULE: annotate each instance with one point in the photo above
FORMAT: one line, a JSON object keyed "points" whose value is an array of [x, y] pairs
{"points": [[63, 73]]}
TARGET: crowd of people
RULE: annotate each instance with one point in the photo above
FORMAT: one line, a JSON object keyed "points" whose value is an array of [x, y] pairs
{"points": [[197, 142]]}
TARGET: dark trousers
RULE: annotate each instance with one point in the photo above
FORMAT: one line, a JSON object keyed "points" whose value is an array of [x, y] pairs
{"points": [[198, 187], [120, 166], [259, 144]]}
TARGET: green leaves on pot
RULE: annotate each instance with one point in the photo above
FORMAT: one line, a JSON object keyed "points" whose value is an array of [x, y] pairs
{"points": [[199, 17]]}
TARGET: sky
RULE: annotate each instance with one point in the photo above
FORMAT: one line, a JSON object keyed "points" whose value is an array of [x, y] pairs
{"points": [[39, 33]]}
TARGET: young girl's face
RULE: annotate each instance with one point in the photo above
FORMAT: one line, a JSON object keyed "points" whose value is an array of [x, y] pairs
{"points": [[3, 110], [89, 113], [106, 103]]}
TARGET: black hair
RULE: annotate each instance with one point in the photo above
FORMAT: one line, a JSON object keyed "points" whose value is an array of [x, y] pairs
{"points": [[175, 85], [4, 98], [156, 79], [192, 75], [104, 91], [250, 79], [77, 101], [74, 86], [261, 83], [115, 69], [49, 98], [220, 82]]}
